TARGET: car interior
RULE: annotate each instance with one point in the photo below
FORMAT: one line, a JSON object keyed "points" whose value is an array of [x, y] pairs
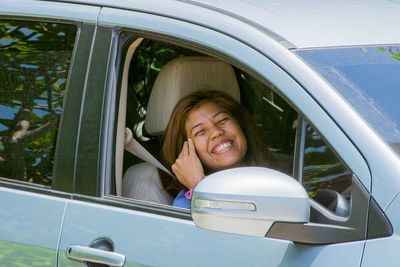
{"points": [[156, 74]]}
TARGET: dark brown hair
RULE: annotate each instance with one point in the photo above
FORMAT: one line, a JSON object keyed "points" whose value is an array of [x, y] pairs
{"points": [[175, 134]]}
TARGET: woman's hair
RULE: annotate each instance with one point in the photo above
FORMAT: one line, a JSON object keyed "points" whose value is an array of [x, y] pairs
{"points": [[175, 134]]}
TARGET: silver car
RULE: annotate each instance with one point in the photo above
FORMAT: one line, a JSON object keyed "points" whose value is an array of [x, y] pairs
{"points": [[86, 90]]}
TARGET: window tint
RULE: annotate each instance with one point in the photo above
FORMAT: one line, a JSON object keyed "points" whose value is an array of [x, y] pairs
{"points": [[322, 169], [34, 61]]}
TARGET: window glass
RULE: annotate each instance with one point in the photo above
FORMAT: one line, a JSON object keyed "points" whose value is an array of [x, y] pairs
{"points": [[34, 61], [368, 78], [323, 171]]}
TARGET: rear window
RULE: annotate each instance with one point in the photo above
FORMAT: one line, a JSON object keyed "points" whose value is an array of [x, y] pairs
{"points": [[34, 62]]}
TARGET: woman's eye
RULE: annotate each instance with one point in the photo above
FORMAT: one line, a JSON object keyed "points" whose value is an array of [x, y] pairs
{"points": [[223, 120], [199, 133]]}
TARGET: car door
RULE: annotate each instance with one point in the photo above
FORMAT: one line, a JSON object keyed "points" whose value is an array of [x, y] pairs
{"points": [[137, 233], [37, 63]]}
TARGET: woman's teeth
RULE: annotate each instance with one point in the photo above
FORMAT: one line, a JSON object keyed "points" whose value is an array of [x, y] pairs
{"points": [[222, 146]]}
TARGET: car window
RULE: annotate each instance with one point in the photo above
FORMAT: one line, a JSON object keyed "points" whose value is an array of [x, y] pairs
{"points": [[274, 118], [323, 171], [34, 63], [368, 78]]}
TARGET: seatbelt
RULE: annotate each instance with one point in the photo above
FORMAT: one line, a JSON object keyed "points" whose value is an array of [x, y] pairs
{"points": [[135, 148]]}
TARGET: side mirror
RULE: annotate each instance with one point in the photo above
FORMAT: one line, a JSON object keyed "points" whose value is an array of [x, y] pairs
{"points": [[248, 201]]}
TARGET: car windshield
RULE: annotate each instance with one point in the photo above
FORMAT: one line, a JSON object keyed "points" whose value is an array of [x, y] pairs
{"points": [[368, 78]]}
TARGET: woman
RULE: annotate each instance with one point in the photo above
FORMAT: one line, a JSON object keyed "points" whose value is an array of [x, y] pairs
{"points": [[208, 131]]}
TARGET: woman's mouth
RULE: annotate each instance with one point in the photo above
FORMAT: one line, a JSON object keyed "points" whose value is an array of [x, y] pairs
{"points": [[223, 147]]}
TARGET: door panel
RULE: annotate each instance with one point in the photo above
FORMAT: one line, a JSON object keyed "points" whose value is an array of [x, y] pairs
{"points": [[147, 239], [30, 228]]}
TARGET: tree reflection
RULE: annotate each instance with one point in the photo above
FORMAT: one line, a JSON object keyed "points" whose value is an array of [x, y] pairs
{"points": [[322, 168], [394, 51], [34, 60]]}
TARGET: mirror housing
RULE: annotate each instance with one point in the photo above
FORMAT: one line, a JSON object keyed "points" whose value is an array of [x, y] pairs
{"points": [[248, 201]]}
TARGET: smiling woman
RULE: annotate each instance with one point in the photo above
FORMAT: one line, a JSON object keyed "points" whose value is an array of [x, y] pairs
{"points": [[208, 131], [217, 136]]}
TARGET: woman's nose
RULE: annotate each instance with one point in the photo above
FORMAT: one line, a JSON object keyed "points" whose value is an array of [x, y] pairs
{"points": [[216, 132]]}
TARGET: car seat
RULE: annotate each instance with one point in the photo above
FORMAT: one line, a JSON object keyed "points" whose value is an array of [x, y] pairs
{"points": [[177, 78]]}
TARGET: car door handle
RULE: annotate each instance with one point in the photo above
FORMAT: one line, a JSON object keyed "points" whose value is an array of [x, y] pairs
{"points": [[82, 253]]}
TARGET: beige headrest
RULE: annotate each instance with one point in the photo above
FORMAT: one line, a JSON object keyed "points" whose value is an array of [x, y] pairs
{"points": [[181, 77]]}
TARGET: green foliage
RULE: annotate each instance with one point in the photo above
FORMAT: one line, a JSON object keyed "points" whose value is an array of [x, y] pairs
{"points": [[34, 61], [322, 168], [393, 51]]}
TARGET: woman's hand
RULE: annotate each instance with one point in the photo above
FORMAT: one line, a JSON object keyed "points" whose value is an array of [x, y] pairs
{"points": [[187, 167]]}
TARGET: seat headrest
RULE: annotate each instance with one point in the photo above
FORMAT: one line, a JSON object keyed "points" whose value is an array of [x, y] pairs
{"points": [[181, 77]]}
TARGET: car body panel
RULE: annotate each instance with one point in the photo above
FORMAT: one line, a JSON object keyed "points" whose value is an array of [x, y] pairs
{"points": [[311, 24], [30, 227], [305, 25], [49, 10], [88, 149], [65, 158], [155, 240]]}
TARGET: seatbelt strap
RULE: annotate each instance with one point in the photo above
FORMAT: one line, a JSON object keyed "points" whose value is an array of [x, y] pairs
{"points": [[135, 148]]}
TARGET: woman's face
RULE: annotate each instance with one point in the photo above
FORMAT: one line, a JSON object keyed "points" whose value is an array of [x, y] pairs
{"points": [[218, 138]]}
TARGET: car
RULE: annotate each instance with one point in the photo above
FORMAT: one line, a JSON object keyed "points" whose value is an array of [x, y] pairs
{"points": [[87, 87]]}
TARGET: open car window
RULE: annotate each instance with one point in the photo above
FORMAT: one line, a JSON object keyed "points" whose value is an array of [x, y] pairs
{"points": [[276, 123]]}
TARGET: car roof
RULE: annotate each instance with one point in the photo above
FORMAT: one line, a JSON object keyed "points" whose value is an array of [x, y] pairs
{"points": [[319, 23], [303, 24]]}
